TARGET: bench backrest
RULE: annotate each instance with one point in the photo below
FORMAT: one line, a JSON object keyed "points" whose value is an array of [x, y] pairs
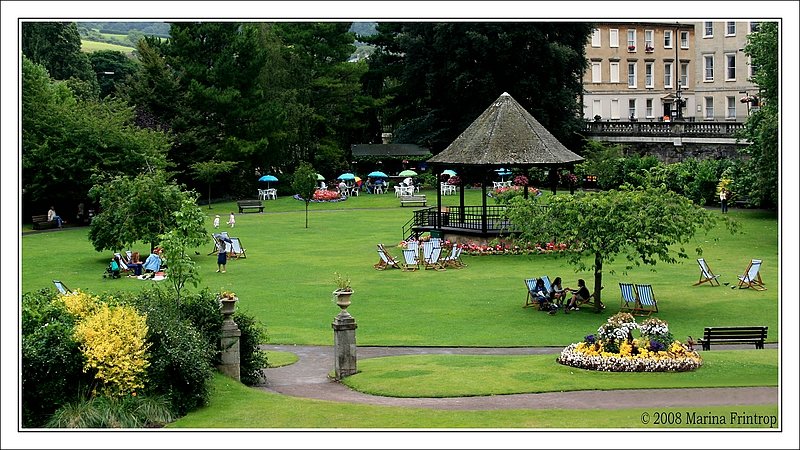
{"points": [[42, 218], [249, 202], [735, 332]]}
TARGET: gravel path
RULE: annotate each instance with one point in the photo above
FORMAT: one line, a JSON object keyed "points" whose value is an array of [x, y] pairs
{"points": [[308, 378]]}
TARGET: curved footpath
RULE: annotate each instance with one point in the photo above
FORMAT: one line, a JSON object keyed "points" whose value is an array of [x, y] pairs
{"points": [[308, 378]]}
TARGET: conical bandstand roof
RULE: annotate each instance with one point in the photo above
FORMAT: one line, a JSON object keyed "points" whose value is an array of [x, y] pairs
{"points": [[505, 134]]}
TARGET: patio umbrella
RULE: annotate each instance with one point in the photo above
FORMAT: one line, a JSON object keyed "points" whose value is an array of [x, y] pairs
{"points": [[320, 177], [378, 174], [450, 172], [503, 173], [346, 176], [407, 173], [268, 179]]}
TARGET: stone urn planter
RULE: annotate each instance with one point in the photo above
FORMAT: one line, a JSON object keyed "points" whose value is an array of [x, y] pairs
{"points": [[343, 297]]}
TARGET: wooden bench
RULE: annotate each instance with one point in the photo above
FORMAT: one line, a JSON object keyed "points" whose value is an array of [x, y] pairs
{"points": [[413, 199], [250, 204], [41, 222], [734, 335]]}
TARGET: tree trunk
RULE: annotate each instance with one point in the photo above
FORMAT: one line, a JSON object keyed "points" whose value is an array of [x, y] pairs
{"points": [[598, 281], [306, 214], [209, 195]]}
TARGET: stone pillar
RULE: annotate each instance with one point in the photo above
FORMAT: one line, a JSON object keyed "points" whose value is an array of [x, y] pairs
{"points": [[229, 341], [344, 343]]}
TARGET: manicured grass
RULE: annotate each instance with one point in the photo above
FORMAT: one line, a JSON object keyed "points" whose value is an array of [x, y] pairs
{"points": [[234, 405], [287, 279], [93, 46], [280, 359], [471, 375]]}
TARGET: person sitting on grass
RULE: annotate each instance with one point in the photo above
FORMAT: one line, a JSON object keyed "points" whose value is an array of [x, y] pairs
{"points": [[153, 262]]}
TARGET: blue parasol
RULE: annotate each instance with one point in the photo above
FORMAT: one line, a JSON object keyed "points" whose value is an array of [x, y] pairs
{"points": [[378, 174], [346, 176]]}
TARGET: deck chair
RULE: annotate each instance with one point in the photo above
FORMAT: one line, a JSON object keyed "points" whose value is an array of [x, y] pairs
{"points": [[530, 283], [628, 300], [646, 303], [752, 277], [122, 266], [410, 260], [235, 250], [433, 260], [62, 289], [454, 258], [706, 275], [427, 249], [217, 244], [387, 261]]}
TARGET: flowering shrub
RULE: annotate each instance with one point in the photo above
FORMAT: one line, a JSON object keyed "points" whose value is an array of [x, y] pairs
{"points": [[520, 180], [455, 180], [79, 304], [113, 341], [614, 349], [503, 247]]}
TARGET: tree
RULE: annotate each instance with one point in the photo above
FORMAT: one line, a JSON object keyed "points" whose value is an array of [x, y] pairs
{"points": [[57, 47], [304, 182], [209, 171], [761, 128], [641, 224], [441, 76], [111, 67], [135, 209], [68, 142], [188, 233]]}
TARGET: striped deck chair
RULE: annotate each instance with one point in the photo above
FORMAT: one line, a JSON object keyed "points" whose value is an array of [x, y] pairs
{"points": [[410, 260], [433, 260], [628, 300], [454, 258], [427, 249], [122, 266], [752, 277], [62, 289], [387, 261], [235, 249], [706, 275], [647, 303], [531, 299]]}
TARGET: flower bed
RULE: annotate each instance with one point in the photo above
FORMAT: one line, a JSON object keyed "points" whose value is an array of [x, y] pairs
{"points": [[324, 196], [615, 350]]}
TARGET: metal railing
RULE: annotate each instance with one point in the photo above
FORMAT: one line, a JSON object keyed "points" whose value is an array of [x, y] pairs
{"points": [[710, 129]]}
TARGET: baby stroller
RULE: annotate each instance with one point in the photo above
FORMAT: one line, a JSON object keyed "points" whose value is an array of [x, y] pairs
{"points": [[112, 271]]}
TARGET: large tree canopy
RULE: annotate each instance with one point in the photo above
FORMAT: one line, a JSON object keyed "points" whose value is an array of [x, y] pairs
{"points": [[643, 225], [441, 76]]}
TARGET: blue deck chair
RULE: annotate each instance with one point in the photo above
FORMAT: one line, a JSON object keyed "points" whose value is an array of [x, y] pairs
{"points": [[530, 283], [235, 249], [647, 303], [706, 275], [752, 277], [628, 301], [411, 260], [62, 289], [387, 260]]}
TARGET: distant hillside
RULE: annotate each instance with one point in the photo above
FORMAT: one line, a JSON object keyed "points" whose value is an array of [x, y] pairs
{"points": [[364, 28], [160, 29]]}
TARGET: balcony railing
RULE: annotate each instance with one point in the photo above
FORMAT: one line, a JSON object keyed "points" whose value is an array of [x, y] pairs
{"points": [[707, 129]]}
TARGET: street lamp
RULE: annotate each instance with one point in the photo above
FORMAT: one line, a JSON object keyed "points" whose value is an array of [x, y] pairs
{"points": [[679, 102]]}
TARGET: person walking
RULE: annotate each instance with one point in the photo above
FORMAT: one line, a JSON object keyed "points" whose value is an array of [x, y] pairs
{"points": [[232, 220], [723, 200], [216, 221]]}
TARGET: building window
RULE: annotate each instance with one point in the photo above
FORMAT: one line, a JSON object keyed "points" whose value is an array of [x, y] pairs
{"points": [[754, 26], [648, 75], [648, 40], [667, 75], [753, 69], [731, 110], [632, 108], [597, 76], [649, 107], [596, 110], [613, 37], [631, 40], [708, 29], [615, 108], [684, 75], [614, 72], [596, 37], [684, 39], [730, 67], [667, 38], [708, 67], [730, 28], [709, 107], [632, 75]]}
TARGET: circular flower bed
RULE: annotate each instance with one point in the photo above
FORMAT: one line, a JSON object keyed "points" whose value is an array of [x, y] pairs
{"points": [[324, 196], [615, 350]]}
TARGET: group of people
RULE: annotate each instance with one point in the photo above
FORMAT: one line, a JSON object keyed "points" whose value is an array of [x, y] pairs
{"points": [[556, 297], [153, 264]]}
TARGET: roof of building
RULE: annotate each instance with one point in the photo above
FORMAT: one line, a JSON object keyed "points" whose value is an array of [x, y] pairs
{"points": [[388, 150], [505, 134]]}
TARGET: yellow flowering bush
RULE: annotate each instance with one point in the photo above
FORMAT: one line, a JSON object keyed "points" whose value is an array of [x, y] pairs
{"points": [[79, 304], [113, 341], [615, 350]]}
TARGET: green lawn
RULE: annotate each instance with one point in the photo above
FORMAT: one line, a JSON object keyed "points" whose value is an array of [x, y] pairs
{"points": [[287, 279], [93, 46]]}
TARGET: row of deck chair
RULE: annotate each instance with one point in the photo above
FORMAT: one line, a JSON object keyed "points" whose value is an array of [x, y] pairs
{"points": [[432, 259], [638, 299], [232, 245], [750, 279]]}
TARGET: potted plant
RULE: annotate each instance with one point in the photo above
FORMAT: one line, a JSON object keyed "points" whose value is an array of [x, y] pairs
{"points": [[343, 290], [631, 48], [227, 302], [649, 49]]}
